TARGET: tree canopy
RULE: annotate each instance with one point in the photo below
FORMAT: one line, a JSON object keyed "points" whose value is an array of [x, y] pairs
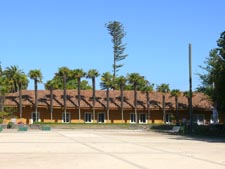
{"points": [[72, 77], [116, 30], [213, 79]]}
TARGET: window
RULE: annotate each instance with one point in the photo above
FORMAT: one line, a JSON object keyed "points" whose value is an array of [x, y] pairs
{"points": [[87, 118], [66, 117], [198, 119], [101, 117], [34, 118], [132, 118], [143, 118]]}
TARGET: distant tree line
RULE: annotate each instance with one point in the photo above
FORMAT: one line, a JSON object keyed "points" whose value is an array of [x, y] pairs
{"points": [[13, 79]]}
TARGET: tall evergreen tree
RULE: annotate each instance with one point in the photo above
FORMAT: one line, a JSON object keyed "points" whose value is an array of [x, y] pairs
{"points": [[116, 30], [213, 80]]}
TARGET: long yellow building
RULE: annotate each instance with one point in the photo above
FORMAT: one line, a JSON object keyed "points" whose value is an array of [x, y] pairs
{"points": [[118, 110]]}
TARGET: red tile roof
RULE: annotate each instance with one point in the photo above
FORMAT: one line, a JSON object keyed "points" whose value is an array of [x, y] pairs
{"points": [[200, 101]]}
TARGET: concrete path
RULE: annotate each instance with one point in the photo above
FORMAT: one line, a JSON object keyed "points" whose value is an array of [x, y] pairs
{"points": [[106, 149]]}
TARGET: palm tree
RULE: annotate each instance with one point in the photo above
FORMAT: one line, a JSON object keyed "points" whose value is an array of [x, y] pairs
{"points": [[11, 74], [163, 88], [175, 93], [22, 80], [17, 80], [4, 88], [64, 72], [78, 74], [135, 79], [121, 81], [92, 74], [36, 75], [148, 88], [107, 84], [51, 85]]}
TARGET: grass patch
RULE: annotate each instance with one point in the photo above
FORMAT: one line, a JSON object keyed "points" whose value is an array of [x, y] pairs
{"points": [[94, 125]]}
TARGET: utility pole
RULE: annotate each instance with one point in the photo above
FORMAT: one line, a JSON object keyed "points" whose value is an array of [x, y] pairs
{"points": [[190, 88]]}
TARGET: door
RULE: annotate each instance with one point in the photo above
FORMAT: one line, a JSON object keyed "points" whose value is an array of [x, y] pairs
{"points": [[35, 116], [101, 117], [88, 118], [143, 118], [132, 118], [168, 118], [66, 117]]}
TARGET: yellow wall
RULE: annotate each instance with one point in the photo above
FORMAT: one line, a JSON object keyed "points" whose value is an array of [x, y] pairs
{"points": [[156, 116]]}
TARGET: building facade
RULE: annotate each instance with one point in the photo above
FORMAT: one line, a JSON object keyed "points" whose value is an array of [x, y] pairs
{"points": [[149, 109]]}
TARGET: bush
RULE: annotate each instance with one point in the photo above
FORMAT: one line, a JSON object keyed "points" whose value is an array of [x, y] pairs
{"points": [[211, 130], [10, 125], [162, 127]]}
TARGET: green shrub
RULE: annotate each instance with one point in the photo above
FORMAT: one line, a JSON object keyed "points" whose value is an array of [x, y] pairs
{"points": [[211, 130], [162, 127], [10, 125]]}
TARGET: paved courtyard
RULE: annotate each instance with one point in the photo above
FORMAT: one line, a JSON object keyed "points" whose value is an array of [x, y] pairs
{"points": [[106, 149]]}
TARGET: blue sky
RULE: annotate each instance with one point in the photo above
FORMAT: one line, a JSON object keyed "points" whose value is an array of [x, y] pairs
{"points": [[48, 34]]}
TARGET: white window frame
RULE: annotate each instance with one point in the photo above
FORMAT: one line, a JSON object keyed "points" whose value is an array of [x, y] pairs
{"points": [[99, 119], [85, 120], [65, 119], [134, 117], [146, 120]]}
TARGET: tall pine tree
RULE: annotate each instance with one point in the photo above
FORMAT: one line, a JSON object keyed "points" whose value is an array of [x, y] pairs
{"points": [[213, 80], [116, 30]]}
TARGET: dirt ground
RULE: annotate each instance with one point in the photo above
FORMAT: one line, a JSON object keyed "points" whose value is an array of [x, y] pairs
{"points": [[107, 149]]}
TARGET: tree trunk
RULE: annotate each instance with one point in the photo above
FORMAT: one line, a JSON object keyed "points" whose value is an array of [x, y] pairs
{"points": [[20, 99], [15, 87], [114, 69], [79, 98], [148, 104], [177, 116], [164, 112], [135, 103], [2, 99], [121, 101], [93, 95], [64, 96], [36, 100], [107, 97], [51, 102]]}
